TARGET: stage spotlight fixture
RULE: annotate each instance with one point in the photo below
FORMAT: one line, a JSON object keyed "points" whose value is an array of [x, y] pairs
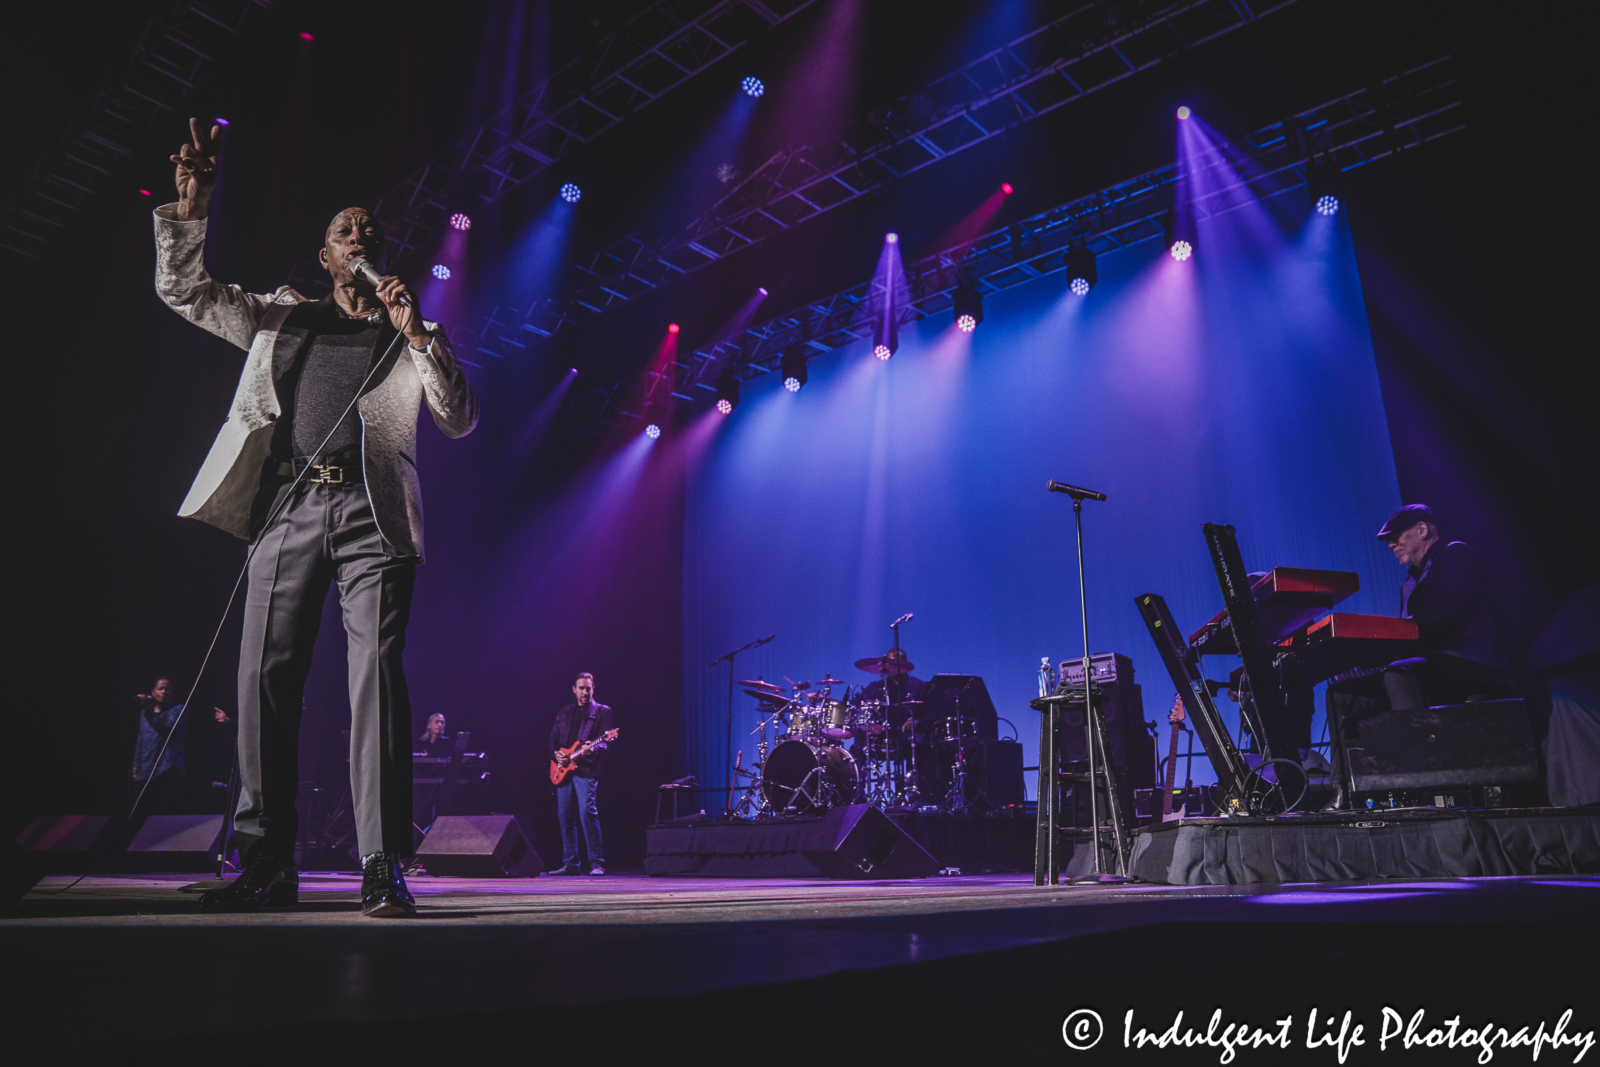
{"points": [[144, 192], [1005, 187], [1180, 239], [1322, 186], [306, 36], [571, 193], [652, 431], [793, 368], [752, 86], [762, 291], [882, 351], [672, 327], [1081, 273], [458, 221], [441, 272], [968, 307], [727, 392], [224, 123], [891, 238], [1184, 113]]}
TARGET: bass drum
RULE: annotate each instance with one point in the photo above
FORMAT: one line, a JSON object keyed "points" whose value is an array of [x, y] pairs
{"points": [[809, 779]]}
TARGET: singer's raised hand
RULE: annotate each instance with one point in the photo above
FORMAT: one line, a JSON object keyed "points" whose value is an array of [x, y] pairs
{"points": [[197, 171], [407, 320]]}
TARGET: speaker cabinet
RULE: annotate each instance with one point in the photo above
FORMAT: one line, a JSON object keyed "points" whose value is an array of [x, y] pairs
{"points": [[170, 843], [478, 846], [1455, 745], [65, 844], [860, 841]]}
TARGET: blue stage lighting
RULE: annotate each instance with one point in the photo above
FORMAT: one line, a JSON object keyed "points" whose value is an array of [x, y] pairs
{"points": [[652, 431], [1327, 204], [1081, 272], [752, 86], [571, 193], [1181, 250], [882, 351], [441, 272], [793, 368], [1184, 113]]}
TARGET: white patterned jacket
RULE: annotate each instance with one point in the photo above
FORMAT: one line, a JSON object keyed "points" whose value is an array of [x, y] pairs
{"points": [[237, 474]]}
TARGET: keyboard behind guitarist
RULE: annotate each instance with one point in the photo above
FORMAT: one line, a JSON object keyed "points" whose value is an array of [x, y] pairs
{"points": [[1459, 649]]}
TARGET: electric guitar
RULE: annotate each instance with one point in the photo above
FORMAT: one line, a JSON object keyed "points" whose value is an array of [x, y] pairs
{"points": [[559, 771], [1175, 717]]}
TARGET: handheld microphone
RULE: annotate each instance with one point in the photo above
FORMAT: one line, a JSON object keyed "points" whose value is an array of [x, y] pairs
{"points": [[369, 274], [1073, 491], [904, 618]]}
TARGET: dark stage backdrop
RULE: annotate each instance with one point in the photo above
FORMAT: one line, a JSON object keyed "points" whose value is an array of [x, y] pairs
{"points": [[1237, 388]]}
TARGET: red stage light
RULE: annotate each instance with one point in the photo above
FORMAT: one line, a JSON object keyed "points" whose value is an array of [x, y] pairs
{"points": [[672, 327], [144, 192], [1005, 187], [306, 36]]}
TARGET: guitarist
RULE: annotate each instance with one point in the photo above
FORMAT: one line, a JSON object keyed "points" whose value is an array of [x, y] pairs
{"points": [[583, 722]]}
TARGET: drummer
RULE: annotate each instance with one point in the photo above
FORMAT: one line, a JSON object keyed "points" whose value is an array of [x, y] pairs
{"points": [[895, 687]]}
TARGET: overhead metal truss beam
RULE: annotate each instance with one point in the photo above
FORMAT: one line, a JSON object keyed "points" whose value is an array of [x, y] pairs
{"points": [[1398, 114], [648, 56], [1091, 47], [177, 51]]}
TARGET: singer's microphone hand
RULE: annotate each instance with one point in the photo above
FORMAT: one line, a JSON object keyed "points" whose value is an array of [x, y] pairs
{"points": [[401, 304]]}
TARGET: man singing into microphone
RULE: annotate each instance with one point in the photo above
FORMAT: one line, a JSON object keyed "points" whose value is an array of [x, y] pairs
{"points": [[356, 518]]}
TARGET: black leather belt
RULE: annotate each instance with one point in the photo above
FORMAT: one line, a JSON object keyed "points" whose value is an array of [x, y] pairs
{"points": [[346, 471]]}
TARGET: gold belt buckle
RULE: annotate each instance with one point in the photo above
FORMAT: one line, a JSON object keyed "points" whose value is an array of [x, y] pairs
{"points": [[327, 475]]}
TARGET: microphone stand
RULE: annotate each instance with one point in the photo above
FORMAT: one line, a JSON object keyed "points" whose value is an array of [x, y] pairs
{"points": [[1095, 873], [728, 808]]}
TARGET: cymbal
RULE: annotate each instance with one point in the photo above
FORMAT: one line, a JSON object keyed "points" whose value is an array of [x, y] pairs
{"points": [[884, 665], [770, 698], [757, 683], [820, 683]]}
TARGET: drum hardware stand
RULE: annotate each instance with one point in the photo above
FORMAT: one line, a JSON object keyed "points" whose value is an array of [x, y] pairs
{"points": [[728, 808], [1047, 863]]}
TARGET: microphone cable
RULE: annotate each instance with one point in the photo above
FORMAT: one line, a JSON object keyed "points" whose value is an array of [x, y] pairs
{"points": [[284, 497]]}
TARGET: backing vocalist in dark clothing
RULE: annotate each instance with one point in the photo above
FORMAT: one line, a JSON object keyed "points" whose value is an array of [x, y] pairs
{"points": [[1461, 653], [576, 801]]}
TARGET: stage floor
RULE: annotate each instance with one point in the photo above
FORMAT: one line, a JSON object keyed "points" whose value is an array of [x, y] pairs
{"points": [[489, 959]]}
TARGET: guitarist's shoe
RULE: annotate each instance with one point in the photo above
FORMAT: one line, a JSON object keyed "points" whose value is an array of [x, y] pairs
{"points": [[597, 869], [265, 883], [565, 870], [383, 887]]}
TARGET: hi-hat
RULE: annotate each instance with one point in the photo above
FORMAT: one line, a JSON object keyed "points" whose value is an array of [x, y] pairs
{"points": [[885, 665]]}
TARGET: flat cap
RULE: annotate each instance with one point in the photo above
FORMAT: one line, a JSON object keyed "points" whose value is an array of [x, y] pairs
{"points": [[1407, 516]]}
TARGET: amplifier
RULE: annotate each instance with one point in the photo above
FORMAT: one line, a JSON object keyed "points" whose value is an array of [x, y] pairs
{"points": [[1452, 746]]}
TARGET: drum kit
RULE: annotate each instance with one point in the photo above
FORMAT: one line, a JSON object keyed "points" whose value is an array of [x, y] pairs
{"points": [[828, 751]]}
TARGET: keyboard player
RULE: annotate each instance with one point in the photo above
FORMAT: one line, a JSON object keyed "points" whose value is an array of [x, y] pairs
{"points": [[1460, 651]]}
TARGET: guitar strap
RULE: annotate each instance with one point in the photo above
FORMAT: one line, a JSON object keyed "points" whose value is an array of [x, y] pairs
{"points": [[588, 724]]}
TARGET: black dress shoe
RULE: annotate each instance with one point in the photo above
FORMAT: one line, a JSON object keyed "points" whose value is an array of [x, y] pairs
{"points": [[264, 884], [383, 887]]}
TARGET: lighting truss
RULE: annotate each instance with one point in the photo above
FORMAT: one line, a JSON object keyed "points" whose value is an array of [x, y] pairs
{"points": [[177, 51], [648, 56], [1398, 114], [1093, 46]]}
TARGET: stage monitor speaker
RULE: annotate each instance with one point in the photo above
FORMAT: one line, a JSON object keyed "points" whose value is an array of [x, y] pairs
{"points": [[20, 871], [478, 846], [67, 844], [169, 843], [1455, 745], [860, 841]]}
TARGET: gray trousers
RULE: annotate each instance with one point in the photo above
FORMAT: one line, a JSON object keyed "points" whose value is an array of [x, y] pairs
{"points": [[325, 534]]}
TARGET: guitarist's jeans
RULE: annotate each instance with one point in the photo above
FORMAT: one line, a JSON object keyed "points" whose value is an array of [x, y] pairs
{"points": [[575, 803]]}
